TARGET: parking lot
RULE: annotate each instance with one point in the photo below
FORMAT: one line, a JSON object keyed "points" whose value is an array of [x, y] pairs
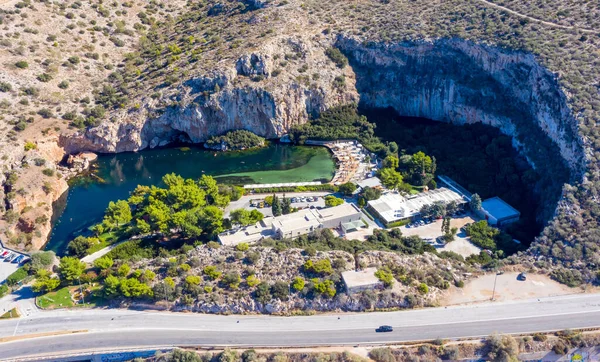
{"points": [[247, 201], [7, 267], [429, 233]]}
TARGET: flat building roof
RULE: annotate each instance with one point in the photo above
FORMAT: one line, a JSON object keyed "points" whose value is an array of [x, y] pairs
{"points": [[360, 278], [499, 209], [392, 207]]}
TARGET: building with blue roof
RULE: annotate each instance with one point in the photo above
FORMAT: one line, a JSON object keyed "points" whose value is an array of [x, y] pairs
{"points": [[499, 213]]}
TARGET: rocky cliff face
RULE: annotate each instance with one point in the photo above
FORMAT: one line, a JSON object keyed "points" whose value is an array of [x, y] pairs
{"points": [[461, 82], [254, 94], [448, 80]]}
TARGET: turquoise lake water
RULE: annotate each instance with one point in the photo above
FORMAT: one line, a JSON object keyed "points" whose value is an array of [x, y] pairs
{"points": [[118, 174]]}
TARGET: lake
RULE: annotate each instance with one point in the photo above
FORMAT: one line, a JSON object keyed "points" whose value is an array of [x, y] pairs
{"points": [[118, 174]]}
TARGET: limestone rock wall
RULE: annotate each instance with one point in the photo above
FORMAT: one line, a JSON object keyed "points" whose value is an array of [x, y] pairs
{"points": [[246, 95], [461, 82]]}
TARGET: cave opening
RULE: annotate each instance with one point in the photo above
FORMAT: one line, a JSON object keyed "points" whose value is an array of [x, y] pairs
{"points": [[495, 119], [477, 156]]}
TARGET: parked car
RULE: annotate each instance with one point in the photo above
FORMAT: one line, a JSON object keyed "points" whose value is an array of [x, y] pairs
{"points": [[384, 329], [19, 259], [4, 254], [10, 256], [522, 276]]}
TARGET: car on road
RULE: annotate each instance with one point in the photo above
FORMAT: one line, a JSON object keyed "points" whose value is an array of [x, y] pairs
{"points": [[384, 329], [522, 276]]}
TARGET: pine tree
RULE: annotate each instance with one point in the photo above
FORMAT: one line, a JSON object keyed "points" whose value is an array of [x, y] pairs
{"points": [[276, 206], [286, 205]]}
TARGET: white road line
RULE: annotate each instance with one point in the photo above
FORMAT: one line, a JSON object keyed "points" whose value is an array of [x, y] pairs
{"points": [[16, 327]]}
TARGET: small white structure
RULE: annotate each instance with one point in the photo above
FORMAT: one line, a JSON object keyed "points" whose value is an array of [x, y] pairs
{"points": [[499, 213], [372, 182], [357, 281], [293, 225], [393, 207]]}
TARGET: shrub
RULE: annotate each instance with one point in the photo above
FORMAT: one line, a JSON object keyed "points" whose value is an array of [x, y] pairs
{"points": [[337, 57], [331, 200], [252, 281], [44, 77], [423, 288], [298, 284], [385, 276], [384, 354], [22, 64], [30, 146], [5, 87], [211, 272], [502, 348], [321, 267], [242, 247], [3, 290], [48, 172], [17, 276], [191, 280]]}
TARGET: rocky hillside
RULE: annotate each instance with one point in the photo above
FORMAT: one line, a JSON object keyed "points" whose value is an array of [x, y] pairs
{"points": [[234, 285], [264, 65]]}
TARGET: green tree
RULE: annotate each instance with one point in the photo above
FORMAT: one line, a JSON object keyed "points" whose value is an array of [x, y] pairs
{"points": [[286, 205], [70, 268], [391, 162], [390, 178], [475, 203], [118, 213], [331, 200], [42, 260], [124, 270], [244, 217], [80, 245], [44, 283], [111, 286], [133, 288], [276, 206], [104, 262], [348, 188], [370, 193]]}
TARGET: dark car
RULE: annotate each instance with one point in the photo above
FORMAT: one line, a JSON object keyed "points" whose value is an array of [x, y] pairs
{"points": [[384, 329], [522, 276]]}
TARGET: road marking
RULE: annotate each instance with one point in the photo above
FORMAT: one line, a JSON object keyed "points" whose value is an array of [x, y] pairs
{"points": [[339, 329], [17, 326]]}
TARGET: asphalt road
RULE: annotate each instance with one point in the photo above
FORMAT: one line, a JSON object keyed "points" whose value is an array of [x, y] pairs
{"points": [[110, 329]]}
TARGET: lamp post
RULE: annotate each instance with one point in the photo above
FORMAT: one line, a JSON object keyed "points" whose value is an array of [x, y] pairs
{"points": [[81, 290]]}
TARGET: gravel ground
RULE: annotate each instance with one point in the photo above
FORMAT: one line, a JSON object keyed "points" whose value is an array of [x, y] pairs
{"points": [[507, 288]]}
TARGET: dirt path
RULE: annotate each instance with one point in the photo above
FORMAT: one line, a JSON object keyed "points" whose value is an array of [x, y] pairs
{"points": [[500, 7]]}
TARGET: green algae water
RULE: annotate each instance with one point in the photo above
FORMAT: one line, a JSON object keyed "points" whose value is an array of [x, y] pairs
{"points": [[118, 174]]}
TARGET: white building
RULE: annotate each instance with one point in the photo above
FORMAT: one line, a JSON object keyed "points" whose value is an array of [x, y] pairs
{"points": [[293, 225], [357, 281], [393, 207]]}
